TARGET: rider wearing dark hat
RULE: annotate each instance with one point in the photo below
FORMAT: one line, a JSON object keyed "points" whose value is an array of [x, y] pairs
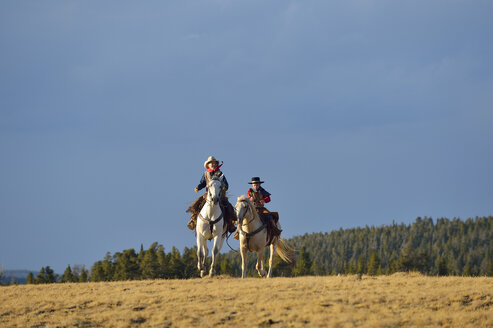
{"points": [[259, 197]]}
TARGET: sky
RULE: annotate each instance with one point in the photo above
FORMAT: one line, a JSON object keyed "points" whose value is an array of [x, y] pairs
{"points": [[354, 113]]}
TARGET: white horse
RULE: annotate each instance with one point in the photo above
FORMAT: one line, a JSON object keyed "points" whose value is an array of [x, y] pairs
{"points": [[253, 238], [210, 225]]}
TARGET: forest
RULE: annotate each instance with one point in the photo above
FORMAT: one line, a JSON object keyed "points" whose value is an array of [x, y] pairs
{"points": [[442, 247]]}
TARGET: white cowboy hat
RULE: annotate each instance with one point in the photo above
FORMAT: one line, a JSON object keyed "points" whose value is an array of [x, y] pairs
{"points": [[210, 159]]}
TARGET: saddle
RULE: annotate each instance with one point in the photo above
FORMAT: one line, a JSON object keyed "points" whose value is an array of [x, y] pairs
{"points": [[194, 210], [270, 220], [226, 207]]}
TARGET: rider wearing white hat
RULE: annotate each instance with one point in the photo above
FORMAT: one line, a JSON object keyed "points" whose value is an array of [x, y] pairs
{"points": [[213, 171]]}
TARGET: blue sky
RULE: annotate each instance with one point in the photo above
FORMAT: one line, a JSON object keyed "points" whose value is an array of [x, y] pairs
{"points": [[354, 113]]}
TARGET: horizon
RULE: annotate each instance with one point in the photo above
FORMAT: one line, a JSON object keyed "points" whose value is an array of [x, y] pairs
{"points": [[227, 250]]}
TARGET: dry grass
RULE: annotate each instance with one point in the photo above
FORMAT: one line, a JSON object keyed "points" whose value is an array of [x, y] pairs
{"points": [[400, 300]]}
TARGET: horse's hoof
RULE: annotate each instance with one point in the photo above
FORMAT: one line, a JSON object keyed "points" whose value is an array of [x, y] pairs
{"points": [[202, 273], [212, 274]]}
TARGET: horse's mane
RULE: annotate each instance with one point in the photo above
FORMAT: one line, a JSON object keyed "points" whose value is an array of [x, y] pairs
{"points": [[213, 179], [249, 203], [242, 198]]}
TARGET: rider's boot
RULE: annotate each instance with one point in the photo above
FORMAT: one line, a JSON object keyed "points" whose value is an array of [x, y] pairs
{"points": [[192, 223], [229, 216], [231, 227]]}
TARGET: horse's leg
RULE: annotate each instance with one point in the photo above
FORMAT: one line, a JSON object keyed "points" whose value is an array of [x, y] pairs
{"points": [[273, 247], [200, 255], [244, 255], [218, 243], [260, 262], [204, 259]]}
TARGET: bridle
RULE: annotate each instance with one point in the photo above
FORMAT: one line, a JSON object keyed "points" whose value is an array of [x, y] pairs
{"points": [[209, 221], [248, 235], [209, 194], [240, 221]]}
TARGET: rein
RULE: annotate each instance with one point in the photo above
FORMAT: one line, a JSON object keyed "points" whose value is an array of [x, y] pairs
{"points": [[210, 196], [211, 222]]}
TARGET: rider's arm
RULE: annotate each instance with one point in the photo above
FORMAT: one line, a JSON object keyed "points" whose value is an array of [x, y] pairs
{"points": [[201, 184], [266, 195], [248, 195], [225, 182]]}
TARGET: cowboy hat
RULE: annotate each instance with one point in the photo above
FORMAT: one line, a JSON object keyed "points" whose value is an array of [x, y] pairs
{"points": [[209, 160], [255, 180]]}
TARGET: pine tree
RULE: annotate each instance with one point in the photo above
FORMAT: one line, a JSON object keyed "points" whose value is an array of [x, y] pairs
{"points": [[467, 271], [226, 268], [68, 276], [126, 266], [352, 269], [374, 264], [108, 267], [361, 264], [41, 277], [30, 278], [97, 272], [150, 265], [304, 264], [489, 268], [442, 267], [280, 268], [175, 264], [317, 269], [84, 275], [2, 274], [189, 260]]}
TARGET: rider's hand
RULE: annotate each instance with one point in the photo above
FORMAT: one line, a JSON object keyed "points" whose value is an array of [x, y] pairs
{"points": [[196, 189]]}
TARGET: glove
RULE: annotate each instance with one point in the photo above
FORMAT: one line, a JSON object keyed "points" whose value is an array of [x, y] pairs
{"points": [[196, 189]]}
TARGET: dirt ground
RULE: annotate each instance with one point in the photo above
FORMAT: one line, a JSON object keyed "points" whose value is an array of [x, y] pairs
{"points": [[400, 300]]}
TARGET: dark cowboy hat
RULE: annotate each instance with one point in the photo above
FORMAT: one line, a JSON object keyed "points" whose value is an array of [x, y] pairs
{"points": [[255, 180]]}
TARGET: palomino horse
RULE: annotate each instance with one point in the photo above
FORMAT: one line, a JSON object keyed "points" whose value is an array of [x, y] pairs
{"points": [[210, 225], [253, 238]]}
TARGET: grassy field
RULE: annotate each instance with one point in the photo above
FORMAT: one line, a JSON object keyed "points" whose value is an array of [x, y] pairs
{"points": [[401, 300]]}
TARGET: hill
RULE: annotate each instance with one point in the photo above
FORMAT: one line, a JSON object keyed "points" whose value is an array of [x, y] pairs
{"points": [[399, 300], [444, 247], [15, 276]]}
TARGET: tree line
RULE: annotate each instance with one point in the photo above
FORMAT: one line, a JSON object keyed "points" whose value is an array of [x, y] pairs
{"points": [[444, 247]]}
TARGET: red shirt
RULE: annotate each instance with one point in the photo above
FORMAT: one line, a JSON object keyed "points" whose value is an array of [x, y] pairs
{"points": [[265, 194]]}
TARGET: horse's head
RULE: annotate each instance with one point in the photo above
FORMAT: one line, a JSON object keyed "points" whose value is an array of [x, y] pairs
{"points": [[242, 206], [214, 189]]}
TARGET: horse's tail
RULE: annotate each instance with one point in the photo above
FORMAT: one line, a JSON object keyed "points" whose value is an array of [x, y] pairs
{"points": [[285, 252]]}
